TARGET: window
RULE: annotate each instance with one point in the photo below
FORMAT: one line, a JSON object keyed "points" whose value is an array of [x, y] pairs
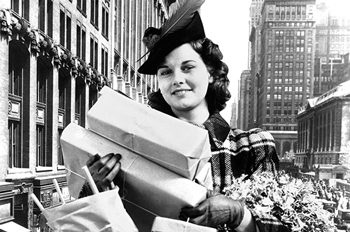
{"points": [[81, 5], [18, 69], [43, 117], [41, 98], [81, 41], [59, 148], [41, 82], [104, 61], [64, 119], [105, 20], [80, 97], [16, 73], [45, 16], [15, 154], [62, 91], [21, 7], [93, 51], [41, 158], [94, 13], [65, 28]]}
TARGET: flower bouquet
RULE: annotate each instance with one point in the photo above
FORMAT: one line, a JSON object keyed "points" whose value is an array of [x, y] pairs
{"points": [[292, 201]]}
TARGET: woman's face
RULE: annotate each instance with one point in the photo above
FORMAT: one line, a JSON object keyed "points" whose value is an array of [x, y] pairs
{"points": [[183, 80]]}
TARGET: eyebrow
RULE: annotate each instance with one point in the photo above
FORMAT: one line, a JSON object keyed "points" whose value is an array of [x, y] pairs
{"points": [[166, 66]]}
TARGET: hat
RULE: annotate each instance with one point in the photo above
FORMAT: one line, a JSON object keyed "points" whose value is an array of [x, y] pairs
{"points": [[183, 26]]}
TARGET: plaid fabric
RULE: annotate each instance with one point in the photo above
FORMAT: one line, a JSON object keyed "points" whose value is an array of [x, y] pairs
{"points": [[236, 152]]}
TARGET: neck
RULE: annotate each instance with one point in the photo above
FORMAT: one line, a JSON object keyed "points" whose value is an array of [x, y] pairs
{"points": [[197, 116]]}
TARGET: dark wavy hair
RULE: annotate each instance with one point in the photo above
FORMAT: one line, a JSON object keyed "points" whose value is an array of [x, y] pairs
{"points": [[217, 93]]}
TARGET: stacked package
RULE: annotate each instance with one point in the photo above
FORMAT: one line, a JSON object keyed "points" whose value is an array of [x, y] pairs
{"points": [[161, 156]]}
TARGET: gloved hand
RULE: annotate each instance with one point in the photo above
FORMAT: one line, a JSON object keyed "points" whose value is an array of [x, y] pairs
{"points": [[214, 211], [104, 170]]}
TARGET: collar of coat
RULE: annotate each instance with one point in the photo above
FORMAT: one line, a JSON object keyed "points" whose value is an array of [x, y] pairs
{"points": [[218, 130]]}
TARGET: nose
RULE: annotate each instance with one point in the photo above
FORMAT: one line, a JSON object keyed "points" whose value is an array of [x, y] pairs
{"points": [[179, 78]]}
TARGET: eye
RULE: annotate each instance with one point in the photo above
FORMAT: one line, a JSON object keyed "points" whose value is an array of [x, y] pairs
{"points": [[187, 67], [164, 72]]}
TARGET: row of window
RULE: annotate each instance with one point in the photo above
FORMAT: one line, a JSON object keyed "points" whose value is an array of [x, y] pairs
{"points": [[278, 79], [282, 119], [20, 110], [340, 46], [289, 24], [289, 33], [287, 96], [294, 57], [289, 65], [285, 89], [286, 103], [45, 24], [289, 12], [20, 75], [279, 128], [340, 39], [282, 112]]}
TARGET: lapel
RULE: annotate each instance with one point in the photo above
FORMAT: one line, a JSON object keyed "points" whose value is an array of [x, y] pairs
{"points": [[218, 130]]}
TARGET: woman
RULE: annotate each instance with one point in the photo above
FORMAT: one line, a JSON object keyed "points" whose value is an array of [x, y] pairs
{"points": [[193, 86]]}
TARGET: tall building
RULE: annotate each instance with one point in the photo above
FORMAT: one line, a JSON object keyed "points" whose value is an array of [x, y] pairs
{"points": [[244, 103], [255, 17], [286, 67], [332, 32], [55, 56], [254, 56], [329, 75], [332, 45], [233, 120]]}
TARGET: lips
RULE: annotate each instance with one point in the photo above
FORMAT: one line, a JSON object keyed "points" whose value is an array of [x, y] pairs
{"points": [[180, 92]]}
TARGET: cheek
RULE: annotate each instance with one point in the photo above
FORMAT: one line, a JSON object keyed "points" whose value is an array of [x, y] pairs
{"points": [[163, 84]]}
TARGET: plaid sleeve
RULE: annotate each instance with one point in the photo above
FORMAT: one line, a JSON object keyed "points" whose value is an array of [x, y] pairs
{"points": [[262, 148], [265, 159], [268, 223]]}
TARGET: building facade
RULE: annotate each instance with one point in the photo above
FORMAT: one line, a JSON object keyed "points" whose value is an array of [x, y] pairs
{"points": [[331, 74], [233, 120], [55, 57], [244, 103], [332, 45], [332, 32], [286, 67], [254, 56], [324, 133]]}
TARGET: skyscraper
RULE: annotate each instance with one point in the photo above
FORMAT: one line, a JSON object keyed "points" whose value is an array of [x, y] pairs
{"points": [[286, 67], [332, 45], [254, 56], [244, 103]]}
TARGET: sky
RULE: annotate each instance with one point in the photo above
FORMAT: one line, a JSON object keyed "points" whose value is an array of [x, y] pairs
{"points": [[226, 23]]}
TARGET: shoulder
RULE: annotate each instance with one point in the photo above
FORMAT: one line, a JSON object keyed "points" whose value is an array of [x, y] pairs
{"points": [[253, 135], [255, 141]]}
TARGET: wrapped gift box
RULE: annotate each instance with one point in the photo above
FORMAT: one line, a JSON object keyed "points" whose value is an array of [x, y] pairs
{"points": [[174, 144], [142, 182], [92, 213], [161, 224]]}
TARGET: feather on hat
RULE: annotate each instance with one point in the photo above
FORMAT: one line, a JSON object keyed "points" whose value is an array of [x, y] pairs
{"points": [[183, 25]]}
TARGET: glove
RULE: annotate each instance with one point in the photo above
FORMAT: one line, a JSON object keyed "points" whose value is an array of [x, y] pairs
{"points": [[104, 170], [214, 211]]}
